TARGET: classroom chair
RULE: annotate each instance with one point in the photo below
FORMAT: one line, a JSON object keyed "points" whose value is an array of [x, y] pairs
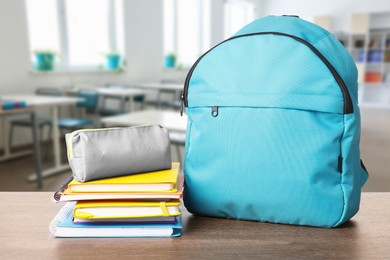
{"points": [[41, 122], [89, 106]]}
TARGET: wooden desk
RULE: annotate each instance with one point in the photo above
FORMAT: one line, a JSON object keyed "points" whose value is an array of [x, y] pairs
{"points": [[169, 119], [25, 235]]}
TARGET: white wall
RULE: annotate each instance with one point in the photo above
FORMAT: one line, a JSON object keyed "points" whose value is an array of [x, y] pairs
{"points": [[13, 46], [144, 39], [339, 10]]}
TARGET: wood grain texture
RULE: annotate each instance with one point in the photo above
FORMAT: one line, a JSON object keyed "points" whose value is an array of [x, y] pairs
{"points": [[25, 217]]}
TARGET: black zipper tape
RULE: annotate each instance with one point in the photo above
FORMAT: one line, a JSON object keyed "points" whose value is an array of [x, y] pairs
{"points": [[348, 106]]}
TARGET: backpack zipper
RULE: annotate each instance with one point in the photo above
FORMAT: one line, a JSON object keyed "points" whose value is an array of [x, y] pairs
{"points": [[348, 106], [214, 111]]}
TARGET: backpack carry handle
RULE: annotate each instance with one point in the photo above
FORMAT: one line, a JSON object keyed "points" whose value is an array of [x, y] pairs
{"points": [[291, 15]]}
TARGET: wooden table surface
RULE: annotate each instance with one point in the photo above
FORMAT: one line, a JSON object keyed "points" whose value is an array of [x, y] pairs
{"points": [[25, 217]]}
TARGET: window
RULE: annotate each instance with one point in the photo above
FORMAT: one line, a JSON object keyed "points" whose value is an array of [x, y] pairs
{"points": [[186, 29], [81, 32], [238, 14], [43, 29]]}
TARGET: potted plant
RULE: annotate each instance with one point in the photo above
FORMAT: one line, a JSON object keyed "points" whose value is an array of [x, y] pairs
{"points": [[170, 60], [113, 60], [44, 60]]}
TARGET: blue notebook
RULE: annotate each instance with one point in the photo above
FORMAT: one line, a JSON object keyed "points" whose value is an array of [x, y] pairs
{"points": [[62, 226]]}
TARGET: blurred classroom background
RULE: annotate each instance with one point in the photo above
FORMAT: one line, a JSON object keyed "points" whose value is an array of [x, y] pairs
{"points": [[93, 63]]}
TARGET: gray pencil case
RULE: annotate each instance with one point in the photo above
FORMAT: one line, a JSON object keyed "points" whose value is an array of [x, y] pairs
{"points": [[104, 153]]}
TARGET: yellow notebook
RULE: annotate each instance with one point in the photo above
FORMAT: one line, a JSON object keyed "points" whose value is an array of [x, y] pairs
{"points": [[64, 194], [164, 180], [125, 209]]}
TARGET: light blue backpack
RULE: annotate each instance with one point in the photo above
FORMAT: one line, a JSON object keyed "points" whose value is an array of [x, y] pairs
{"points": [[274, 127]]}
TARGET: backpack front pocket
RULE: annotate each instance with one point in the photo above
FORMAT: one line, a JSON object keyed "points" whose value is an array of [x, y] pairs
{"points": [[268, 164]]}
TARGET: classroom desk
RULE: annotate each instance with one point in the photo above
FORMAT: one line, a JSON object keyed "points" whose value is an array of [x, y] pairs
{"points": [[114, 92], [159, 87], [37, 151], [171, 120], [122, 93], [53, 103], [25, 235]]}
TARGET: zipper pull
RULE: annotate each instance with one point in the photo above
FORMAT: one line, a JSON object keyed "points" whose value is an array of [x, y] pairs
{"points": [[340, 164], [214, 111], [181, 103]]}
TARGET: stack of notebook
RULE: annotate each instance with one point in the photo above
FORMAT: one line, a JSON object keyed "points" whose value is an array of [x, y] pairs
{"points": [[137, 205]]}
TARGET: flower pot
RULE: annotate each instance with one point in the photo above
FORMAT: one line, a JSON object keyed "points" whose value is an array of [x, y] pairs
{"points": [[44, 61], [112, 61], [169, 61]]}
